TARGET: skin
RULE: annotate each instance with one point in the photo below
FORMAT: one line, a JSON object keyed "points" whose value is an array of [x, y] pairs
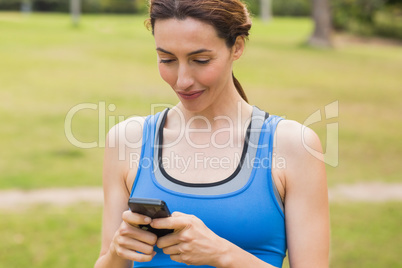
{"points": [[302, 184]]}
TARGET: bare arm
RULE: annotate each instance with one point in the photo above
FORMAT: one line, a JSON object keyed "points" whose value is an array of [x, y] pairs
{"points": [[306, 198], [119, 232]]}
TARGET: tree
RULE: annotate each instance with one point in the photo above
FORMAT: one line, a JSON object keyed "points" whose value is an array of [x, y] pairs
{"points": [[266, 9], [322, 35]]}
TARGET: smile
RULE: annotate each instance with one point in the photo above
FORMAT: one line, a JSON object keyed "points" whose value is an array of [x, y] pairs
{"points": [[190, 95]]}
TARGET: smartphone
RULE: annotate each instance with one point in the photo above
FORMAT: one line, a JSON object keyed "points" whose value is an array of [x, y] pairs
{"points": [[153, 208]]}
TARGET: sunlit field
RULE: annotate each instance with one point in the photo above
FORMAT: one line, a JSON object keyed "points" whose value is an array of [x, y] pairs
{"points": [[107, 65]]}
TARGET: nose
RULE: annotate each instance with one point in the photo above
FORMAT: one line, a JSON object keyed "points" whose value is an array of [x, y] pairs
{"points": [[184, 77]]}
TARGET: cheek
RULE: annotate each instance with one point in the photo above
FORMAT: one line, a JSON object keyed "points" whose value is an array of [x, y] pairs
{"points": [[213, 76], [167, 74]]}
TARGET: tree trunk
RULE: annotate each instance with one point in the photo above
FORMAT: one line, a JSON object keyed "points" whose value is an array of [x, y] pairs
{"points": [[321, 36], [266, 10], [26, 6], [75, 9]]}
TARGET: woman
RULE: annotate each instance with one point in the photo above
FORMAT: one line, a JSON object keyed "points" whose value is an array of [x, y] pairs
{"points": [[240, 201]]}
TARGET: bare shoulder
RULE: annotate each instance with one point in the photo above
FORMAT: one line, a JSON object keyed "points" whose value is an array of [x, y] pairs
{"points": [[293, 139], [128, 132], [122, 152], [299, 147]]}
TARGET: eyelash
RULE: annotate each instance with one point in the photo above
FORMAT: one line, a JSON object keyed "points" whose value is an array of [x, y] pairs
{"points": [[202, 61], [166, 61], [197, 61]]}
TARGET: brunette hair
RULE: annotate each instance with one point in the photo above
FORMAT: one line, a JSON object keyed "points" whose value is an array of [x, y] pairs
{"points": [[230, 18]]}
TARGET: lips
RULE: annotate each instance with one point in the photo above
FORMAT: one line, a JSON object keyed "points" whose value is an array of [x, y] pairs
{"points": [[190, 95]]}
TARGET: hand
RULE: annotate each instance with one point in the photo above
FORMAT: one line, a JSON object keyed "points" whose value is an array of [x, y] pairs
{"points": [[132, 243], [192, 242]]}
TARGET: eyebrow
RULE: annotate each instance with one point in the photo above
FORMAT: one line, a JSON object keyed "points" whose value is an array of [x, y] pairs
{"points": [[189, 54]]}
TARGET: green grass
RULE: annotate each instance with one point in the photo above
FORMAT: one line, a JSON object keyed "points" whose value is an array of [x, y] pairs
{"points": [[47, 237], [366, 235], [50, 237], [47, 67]]}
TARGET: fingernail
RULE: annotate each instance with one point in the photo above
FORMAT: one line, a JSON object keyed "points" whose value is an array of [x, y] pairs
{"points": [[147, 220]]}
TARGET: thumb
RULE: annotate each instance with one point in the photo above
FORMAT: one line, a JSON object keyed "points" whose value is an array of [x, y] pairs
{"points": [[178, 220]]}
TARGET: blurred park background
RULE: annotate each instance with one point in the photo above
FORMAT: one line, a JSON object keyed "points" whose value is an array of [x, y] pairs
{"points": [[49, 64]]}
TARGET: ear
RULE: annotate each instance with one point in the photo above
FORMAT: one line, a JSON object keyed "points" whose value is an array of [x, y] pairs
{"points": [[238, 47]]}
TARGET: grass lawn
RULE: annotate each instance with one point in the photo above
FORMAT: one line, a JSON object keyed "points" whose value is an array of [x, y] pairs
{"points": [[50, 237], [48, 67], [47, 237]]}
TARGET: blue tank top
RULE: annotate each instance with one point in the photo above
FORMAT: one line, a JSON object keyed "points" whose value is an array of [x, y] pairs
{"points": [[244, 208]]}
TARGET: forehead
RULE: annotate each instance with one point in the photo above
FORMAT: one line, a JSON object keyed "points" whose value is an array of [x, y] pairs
{"points": [[186, 35]]}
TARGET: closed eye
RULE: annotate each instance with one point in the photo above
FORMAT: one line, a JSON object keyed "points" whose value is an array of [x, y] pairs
{"points": [[166, 61], [202, 61]]}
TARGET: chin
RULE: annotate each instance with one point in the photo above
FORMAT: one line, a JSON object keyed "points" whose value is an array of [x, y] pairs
{"points": [[194, 106]]}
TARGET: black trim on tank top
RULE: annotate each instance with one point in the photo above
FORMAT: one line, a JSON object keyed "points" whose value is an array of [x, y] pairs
{"points": [[167, 176]]}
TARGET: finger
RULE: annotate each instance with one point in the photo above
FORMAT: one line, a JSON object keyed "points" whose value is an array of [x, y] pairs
{"points": [[178, 214], [168, 240], [176, 257], [172, 250], [135, 245], [133, 255], [136, 233], [178, 221], [135, 219]]}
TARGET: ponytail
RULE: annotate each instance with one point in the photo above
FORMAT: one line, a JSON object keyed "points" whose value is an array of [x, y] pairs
{"points": [[239, 88]]}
